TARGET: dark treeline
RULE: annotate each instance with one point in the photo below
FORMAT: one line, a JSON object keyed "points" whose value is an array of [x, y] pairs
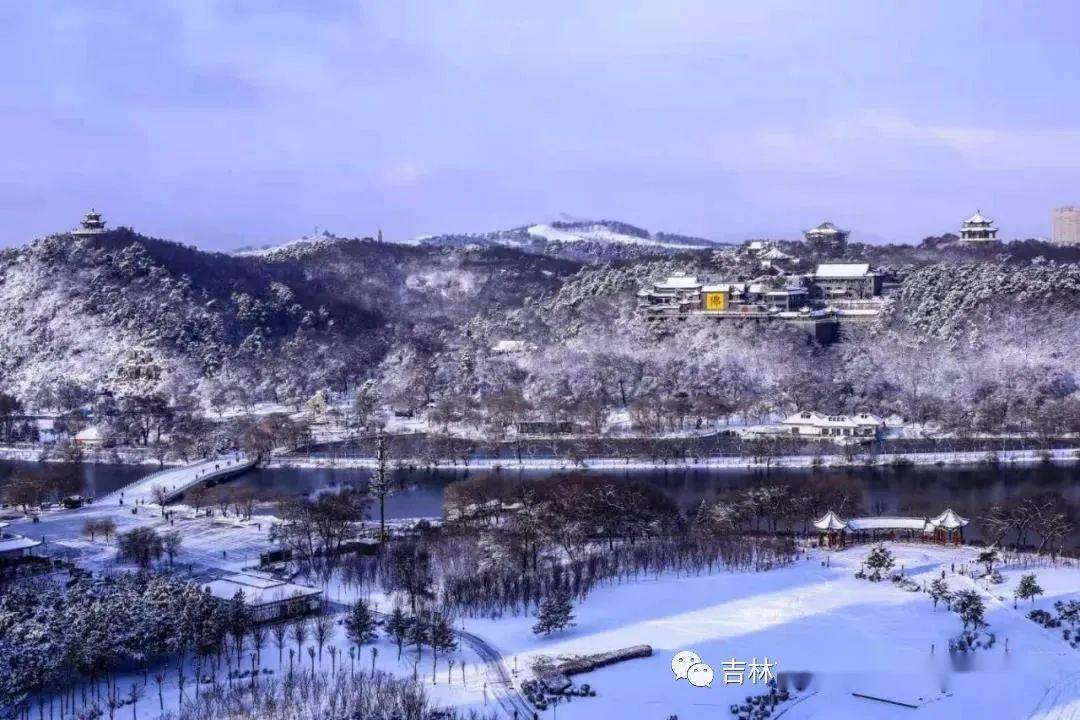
{"points": [[69, 641], [505, 545]]}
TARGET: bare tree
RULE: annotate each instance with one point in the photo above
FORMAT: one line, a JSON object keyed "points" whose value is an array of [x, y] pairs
{"points": [[161, 496], [324, 623], [170, 543], [142, 546]]}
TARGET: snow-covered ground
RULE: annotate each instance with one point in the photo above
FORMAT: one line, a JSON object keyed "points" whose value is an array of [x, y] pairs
{"points": [[852, 635]]}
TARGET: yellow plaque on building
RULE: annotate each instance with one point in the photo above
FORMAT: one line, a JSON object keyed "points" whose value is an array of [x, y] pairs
{"points": [[716, 301]]}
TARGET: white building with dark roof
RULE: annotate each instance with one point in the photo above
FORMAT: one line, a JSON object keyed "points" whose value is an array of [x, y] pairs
{"points": [[845, 280]]}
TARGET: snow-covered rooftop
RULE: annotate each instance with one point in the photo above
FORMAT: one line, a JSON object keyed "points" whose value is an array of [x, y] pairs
{"points": [[842, 270], [817, 419], [949, 520], [12, 543], [825, 228], [830, 521], [678, 282], [887, 523], [257, 589], [508, 346], [89, 434]]}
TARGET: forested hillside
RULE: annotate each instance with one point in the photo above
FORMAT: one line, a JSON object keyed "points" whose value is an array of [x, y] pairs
{"points": [[970, 341]]}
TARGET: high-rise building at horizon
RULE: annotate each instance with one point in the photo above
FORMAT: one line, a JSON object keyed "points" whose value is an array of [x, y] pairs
{"points": [[1065, 225]]}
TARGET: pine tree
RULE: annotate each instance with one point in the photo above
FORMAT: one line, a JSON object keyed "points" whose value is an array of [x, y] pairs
{"points": [[1028, 588], [360, 623], [397, 627], [969, 606], [988, 557], [556, 612], [939, 591], [880, 560], [240, 621], [417, 635]]}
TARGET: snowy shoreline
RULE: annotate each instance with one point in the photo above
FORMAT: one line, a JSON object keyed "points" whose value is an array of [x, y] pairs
{"points": [[740, 462], [1015, 457]]}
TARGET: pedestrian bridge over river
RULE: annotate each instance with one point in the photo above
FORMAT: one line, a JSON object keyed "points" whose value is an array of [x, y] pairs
{"points": [[177, 480]]}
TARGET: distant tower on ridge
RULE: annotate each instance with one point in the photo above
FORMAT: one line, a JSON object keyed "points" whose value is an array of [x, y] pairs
{"points": [[92, 224], [978, 229], [827, 238]]}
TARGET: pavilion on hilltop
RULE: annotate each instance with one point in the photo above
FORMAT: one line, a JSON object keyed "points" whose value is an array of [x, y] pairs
{"points": [[92, 224], [978, 228]]}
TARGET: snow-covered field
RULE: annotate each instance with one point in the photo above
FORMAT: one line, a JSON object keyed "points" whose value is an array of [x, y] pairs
{"points": [[852, 635]]}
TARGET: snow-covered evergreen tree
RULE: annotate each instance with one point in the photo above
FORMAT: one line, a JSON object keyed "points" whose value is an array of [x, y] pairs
{"points": [[556, 612], [360, 624], [397, 627], [1028, 588], [880, 561], [939, 591], [969, 605]]}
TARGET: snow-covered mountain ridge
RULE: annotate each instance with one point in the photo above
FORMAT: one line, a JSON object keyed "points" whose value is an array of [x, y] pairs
{"points": [[584, 240]]}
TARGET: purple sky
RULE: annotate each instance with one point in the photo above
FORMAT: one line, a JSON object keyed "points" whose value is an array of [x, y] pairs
{"points": [[203, 123]]}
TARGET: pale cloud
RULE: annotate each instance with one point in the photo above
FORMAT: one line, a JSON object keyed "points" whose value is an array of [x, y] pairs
{"points": [[892, 141], [402, 173]]}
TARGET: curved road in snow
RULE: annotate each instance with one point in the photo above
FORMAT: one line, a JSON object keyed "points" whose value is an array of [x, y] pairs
{"points": [[512, 703], [502, 687]]}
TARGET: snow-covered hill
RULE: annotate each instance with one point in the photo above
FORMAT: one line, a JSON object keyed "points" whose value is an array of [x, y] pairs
{"points": [[584, 240], [291, 248], [127, 314]]}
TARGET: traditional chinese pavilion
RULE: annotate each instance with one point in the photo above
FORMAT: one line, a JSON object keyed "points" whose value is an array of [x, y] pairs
{"points": [[92, 224], [948, 527], [977, 229]]}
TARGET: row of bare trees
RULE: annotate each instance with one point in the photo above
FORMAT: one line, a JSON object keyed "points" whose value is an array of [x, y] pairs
{"points": [[1048, 516]]}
